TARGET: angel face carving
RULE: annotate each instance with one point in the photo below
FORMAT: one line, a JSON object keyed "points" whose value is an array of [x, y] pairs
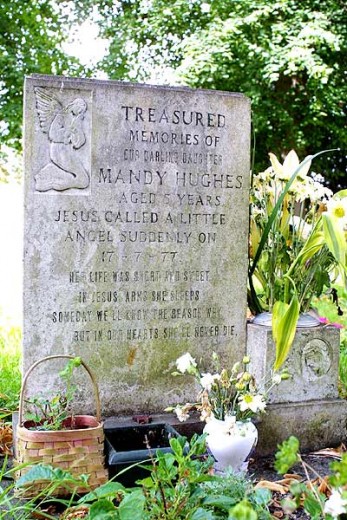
{"points": [[64, 126], [316, 359]]}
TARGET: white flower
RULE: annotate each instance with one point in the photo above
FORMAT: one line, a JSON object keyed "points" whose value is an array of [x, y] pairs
{"points": [[186, 363], [276, 379], [181, 412], [264, 176], [335, 505], [205, 8], [337, 208], [207, 380], [255, 403], [290, 164]]}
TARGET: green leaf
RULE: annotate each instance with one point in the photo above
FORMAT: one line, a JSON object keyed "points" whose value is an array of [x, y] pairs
{"points": [[339, 469], [38, 472], [284, 320], [202, 514], [52, 475], [312, 246], [262, 496], [335, 239], [197, 444], [287, 455], [279, 310], [132, 506], [340, 194], [146, 482], [103, 510], [243, 511], [220, 501], [176, 447], [312, 506], [106, 490], [297, 489]]}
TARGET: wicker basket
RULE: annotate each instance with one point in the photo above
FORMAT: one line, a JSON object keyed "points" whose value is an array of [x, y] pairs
{"points": [[78, 451]]}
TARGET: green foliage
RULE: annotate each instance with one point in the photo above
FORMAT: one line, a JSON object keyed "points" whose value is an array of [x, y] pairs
{"points": [[287, 455], [49, 413], [308, 494], [52, 475], [180, 487], [310, 497], [13, 509], [31, 35], [287, 56], [243, 511], [10, 359], [339, 478]]}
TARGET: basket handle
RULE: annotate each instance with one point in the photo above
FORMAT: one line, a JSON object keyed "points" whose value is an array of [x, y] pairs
{"points": [[92, 377]]}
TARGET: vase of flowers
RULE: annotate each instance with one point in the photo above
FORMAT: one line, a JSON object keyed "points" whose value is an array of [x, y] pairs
{"points": [[228, 400], [297, 246], [231, 442]]}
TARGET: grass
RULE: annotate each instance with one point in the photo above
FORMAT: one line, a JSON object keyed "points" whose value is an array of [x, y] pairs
{"points": [[10, 362]]}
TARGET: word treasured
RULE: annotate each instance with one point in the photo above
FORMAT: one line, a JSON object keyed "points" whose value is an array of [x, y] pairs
{"points": [[176, 117]]}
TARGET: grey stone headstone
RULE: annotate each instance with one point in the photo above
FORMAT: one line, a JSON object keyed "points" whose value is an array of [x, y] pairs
{"points": [[136, 204]]}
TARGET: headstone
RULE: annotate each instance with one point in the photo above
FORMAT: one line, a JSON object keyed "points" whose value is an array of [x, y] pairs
{"points": [[136, 204]]}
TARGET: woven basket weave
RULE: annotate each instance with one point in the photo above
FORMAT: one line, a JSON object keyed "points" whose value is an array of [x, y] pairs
{"points": [[78, 451]]}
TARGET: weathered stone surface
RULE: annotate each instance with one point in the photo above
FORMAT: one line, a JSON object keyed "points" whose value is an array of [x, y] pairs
{"points": [[313, 362], [317, 424], [136, 205]]}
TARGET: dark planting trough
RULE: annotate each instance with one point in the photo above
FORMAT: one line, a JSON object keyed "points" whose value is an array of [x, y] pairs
{"points": [[127, 445]]}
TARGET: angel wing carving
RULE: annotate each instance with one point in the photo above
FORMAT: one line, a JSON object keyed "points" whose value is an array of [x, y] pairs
{"points": [[48, 106]]}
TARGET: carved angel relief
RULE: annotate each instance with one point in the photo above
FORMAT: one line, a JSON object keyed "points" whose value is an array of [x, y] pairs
{"points": [[316, 359], [64, 126]]}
